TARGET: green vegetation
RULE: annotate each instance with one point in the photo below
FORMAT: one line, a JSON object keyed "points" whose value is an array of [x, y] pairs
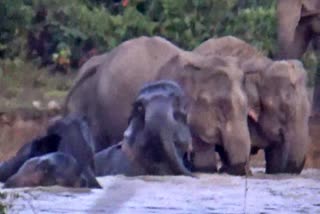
{"points": [[55, 29], [41, 35]]}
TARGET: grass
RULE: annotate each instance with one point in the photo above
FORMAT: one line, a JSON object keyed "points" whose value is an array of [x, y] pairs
{"points": [[21, 83]]}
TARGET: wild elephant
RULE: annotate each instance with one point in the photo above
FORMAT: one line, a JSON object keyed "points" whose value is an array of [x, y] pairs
{"points": [[55, 168], [106, 87], [69, 135], [138, 61], [217, 109], [157, 139], [278, 103], [298, 24]]}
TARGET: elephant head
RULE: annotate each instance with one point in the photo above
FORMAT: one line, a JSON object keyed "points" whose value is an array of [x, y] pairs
{"points": [[157, 128], [35, 148], [282, 115], [217, 104], [52, 169]]}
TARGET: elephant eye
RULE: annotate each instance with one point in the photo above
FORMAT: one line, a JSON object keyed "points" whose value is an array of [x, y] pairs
{"points": [[139, 108]]}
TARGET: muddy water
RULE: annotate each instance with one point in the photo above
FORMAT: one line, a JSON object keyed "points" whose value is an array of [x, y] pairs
{"points": [[179, 194]]}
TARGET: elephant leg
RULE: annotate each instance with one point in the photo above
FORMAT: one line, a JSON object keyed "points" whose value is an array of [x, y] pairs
{"points": [[205, 161], [316, 93], [90, 177], [276, 158], [296, 48]]}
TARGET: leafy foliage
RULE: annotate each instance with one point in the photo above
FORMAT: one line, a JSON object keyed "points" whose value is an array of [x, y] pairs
{"points": [[69, 32]]}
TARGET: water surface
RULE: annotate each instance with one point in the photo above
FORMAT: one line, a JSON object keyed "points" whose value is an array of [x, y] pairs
{"points": [[209, 193]]}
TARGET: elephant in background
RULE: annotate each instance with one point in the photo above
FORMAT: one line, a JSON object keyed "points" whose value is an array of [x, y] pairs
{"points": [[298, 25], [157, 139], [278, 103], [107, 85]]}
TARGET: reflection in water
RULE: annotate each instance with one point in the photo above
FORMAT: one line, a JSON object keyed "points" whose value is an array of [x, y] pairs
{"points": [[178, 194]]}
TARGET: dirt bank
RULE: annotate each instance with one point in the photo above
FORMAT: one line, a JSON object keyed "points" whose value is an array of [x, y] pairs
{"points": [[19, 126]]}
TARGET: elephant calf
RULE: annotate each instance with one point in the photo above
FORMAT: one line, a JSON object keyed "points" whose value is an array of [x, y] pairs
{"points": [[157, 138], [69, 135], [51, 169]]}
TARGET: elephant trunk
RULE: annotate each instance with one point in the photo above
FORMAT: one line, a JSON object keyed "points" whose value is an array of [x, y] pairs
{"points": [[159, 122], [296, 139]]}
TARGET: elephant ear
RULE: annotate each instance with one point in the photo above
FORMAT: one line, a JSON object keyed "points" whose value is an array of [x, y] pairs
{"points": [[44, 145], [288, 15]]}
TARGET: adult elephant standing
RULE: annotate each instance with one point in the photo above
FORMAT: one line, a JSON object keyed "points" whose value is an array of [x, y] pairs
{"points": [[215, 80], [107, 84], [278, 103], [298, 25]]}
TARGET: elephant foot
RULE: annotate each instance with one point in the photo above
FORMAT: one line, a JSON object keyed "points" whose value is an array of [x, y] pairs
{"points": [[277, 161], [237, 169], [206, 169]]}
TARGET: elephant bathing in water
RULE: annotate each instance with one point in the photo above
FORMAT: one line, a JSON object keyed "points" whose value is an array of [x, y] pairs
{"points": [[69, 135], [157, 139], [278, 103], [51, 169]]}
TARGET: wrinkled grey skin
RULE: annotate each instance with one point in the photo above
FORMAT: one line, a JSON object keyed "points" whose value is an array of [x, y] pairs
{"points": [[281, 119], [216, 112], [156, 139], [69, 135], [51, 169], [107, 85], [278, 103]]}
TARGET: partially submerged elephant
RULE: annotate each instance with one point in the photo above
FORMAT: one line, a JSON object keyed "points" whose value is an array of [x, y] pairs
{"points": [[51, 169], [278, 103], [69, 135], [157, 138]]}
